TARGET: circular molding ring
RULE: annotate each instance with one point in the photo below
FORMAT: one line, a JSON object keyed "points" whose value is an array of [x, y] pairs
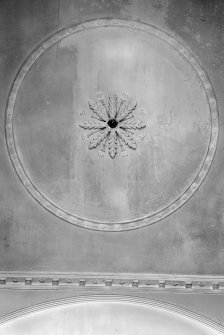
{"points": [[126, 225]]}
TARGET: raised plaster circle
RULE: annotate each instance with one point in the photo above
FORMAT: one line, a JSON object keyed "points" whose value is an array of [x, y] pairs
{"points": [[129, 223]]}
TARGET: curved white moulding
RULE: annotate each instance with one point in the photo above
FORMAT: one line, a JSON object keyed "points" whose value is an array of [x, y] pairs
{"points": [[105, 314]]}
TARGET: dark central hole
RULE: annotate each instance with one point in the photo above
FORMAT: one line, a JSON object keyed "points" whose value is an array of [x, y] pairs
{"points": [[112, 123]]}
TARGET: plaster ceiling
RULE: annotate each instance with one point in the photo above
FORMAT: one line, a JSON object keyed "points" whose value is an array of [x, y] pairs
{"points": [[71, 199]]}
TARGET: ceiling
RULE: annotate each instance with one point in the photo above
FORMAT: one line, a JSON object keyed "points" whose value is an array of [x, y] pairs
{"points": [[145, 199]]}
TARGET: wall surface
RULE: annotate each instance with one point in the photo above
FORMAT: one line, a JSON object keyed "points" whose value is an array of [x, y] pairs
{"points": [[190, 241]]}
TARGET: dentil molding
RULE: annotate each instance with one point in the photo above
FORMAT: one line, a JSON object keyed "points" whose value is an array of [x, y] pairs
{"points": [[55, 280]]}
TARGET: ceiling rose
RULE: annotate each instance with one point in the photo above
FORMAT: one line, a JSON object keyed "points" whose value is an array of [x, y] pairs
{"points": [[112, 125]]}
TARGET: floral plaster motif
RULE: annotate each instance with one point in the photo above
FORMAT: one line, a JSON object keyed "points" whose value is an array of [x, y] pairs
{"points": [[112, 126]]}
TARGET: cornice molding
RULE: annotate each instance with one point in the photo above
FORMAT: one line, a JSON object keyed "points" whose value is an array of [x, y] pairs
{"points": [[126, 281]]}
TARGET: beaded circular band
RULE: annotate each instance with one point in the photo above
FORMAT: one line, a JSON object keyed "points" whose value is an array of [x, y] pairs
{"points": [[120, 226]]}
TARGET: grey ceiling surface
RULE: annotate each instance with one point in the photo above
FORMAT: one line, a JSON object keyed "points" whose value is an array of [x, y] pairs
{"points": [[85, 194]]}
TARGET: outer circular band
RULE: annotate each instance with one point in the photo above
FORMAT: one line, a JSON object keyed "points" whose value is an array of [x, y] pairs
{"points": [[127, 225]]}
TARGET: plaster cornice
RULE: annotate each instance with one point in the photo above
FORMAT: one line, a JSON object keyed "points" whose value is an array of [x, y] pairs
{"points": [[125, 281]]}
